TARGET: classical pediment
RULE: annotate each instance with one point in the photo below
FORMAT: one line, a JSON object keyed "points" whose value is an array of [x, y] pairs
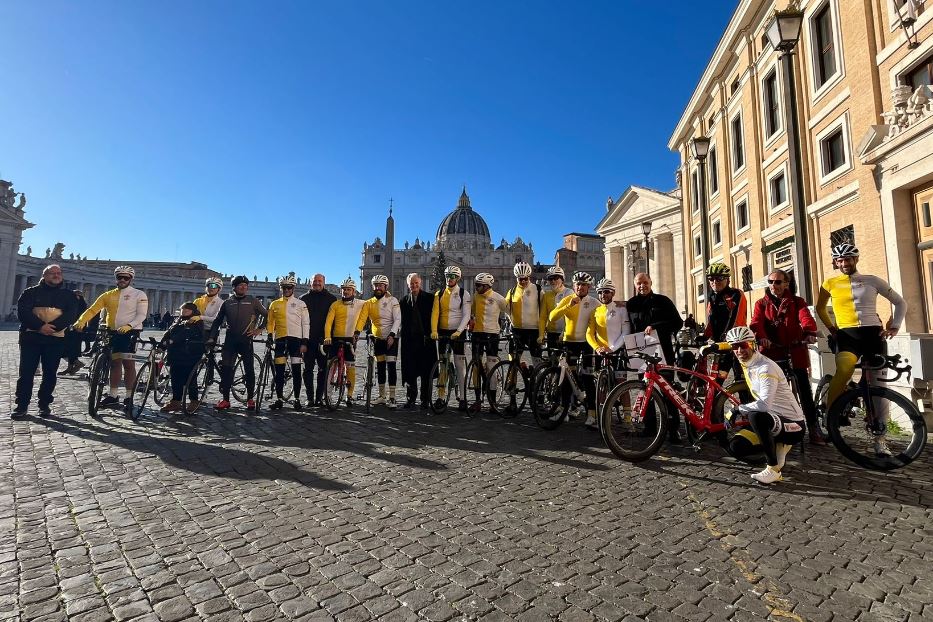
{"points": [[635, 205]]}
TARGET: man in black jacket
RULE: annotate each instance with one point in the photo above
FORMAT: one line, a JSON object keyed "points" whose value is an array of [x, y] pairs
{"points": [[418, 351], [44, 310], [318, 301]]}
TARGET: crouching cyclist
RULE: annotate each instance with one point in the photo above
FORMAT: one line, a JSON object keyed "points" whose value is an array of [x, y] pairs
{"points": [[774, 414]]}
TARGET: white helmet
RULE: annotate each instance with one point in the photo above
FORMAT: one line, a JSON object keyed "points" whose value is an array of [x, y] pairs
{"points": [[582, 277], [522, 270], [844, 250], [124, 270], [484, 278], [380, 278], [348, 282], [740, 334], [605, 285], [555, 271], [452, 270], [288, 280], [213, 281]]}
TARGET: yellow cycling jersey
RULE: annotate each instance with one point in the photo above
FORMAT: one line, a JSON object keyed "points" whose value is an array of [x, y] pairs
{"points": [[127, 306], [576, 312], [487, 307], [385, 314], [451, 309], [854, 301], [344, 318], [525, 308], [288, 317], [608, 327], [549, 301], [209, 306]]}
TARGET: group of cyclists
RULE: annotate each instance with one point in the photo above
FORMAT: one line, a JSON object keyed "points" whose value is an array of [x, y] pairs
{"points": [[308, 330]]}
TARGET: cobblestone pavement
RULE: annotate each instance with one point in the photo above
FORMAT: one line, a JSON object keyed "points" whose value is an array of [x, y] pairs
{"points": [[405, 516]]}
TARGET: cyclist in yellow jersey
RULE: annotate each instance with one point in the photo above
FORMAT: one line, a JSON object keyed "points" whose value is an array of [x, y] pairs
{"points": [[384, 312], [488, 306], [343, 324], [557, 291], [524, 301], [126, 309], [857, 327], [289, 324], [576, 310], [450, 317], [210, 302]]}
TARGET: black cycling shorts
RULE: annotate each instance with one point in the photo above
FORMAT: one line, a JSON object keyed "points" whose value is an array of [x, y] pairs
{"points": [[863, 341], [457, 344], [288, 347], [486, 343], [527, 338], [348, 354], [382, 348], [122, 344]]}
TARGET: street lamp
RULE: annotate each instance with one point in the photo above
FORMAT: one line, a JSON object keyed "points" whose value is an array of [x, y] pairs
{"points": [[783, 32], [633, 254], [700, 149], [646, 229]]}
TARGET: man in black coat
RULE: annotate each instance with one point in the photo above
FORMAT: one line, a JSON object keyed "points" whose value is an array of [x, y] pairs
{"points": [[654, 314], [318, 301], [418, 351], [44, 310]]}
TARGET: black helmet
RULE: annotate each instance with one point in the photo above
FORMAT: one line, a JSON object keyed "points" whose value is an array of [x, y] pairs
{"points": [[239, 279]]}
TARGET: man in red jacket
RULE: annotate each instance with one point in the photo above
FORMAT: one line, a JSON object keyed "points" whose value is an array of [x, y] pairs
{"points": [[784, 326]]}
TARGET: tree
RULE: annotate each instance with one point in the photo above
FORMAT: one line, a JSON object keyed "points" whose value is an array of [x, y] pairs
{"points": [[437, 276]]}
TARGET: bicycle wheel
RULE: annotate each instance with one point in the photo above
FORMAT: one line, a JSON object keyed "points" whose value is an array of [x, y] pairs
{"points": [[475, 385], [511, 388], [288, 389], [98, 380], [200, 378], [546, 399], [856, 426], [336, 385], [162, 388], [721, 405], [444, 377], [370, 365], [633, 426], [238, 387], [144, 385], [264, 381]]}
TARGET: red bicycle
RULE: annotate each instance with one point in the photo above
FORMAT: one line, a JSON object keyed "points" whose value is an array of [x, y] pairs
{"points": [[634, 418]]}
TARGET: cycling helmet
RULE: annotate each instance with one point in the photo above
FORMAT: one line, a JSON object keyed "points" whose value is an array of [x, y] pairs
{"points": [[452, 271], [522, 270], [582, 277], [555, 271], [238, 280], [288, 280], [605, 285], [740, 334], [844, 250], [348, 282], [124, 270], [718, 269], [380, 278], [484, 278], [213, 281]]}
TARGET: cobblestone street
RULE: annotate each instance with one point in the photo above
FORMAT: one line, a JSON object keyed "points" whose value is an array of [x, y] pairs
{"points": [[405, 516]]}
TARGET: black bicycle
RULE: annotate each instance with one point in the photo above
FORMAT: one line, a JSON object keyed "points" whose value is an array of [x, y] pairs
{"points": [[512, 379], [99, 370], [152, 378]]}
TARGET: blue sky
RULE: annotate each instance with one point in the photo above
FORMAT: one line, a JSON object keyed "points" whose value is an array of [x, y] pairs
{"points": [[263, 137]]}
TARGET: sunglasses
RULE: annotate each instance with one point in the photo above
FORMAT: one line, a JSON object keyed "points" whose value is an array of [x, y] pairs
{"points": [[213, 287], [716, 278], [745, 345], [775, 281], [524, 278], [124, 277], [288, 287]]}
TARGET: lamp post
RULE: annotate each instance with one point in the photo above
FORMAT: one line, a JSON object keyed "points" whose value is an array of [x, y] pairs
{"points": [[633, 256], [700, 148], [783, 32], [646, 229]]}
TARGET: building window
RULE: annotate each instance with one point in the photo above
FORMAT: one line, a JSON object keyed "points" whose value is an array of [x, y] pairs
{"points": [[920, 75], [833, 152], [712, 120], [845, 235], [735, 86], [824, 47], [695, 179], [741, 216], [717, 233], [697, 246], [377, 258], [771, 104], [713, 172], [738, 147], [778, 186]]}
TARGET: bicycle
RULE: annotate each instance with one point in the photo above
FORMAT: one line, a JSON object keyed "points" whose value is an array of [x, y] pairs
{"points": [[151, 378], [477, 381], [338, 383], [99, 370], [862, 417], [444, 373], [205, 373], [370, 370], [633, 421], [547, 393], [513, 381], [266, 379]]}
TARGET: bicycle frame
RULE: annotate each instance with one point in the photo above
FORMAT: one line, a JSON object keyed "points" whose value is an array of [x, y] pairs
{"points": [[701, 422]]}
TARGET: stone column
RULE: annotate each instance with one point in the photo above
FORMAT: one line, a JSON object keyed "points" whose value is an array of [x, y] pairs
{"points": [[663, 265]]}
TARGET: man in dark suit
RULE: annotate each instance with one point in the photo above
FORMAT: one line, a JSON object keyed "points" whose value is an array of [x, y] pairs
{"points": [[418, 351]]}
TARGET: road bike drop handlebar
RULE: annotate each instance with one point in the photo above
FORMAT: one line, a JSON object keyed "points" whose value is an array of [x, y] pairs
{"points": [[346, 344], [882, 361]]}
